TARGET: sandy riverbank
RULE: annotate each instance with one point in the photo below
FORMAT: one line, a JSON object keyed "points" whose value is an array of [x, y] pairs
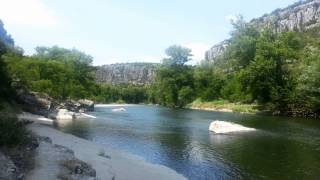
{"points": [[113, 163]]}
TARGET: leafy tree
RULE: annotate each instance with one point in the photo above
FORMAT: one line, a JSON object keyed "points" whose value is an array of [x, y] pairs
{"points": [[268, 77], [242, 48], [6, 44], [59, 72], [308, 88], [208, 83], [174, 86], [178, 55]]}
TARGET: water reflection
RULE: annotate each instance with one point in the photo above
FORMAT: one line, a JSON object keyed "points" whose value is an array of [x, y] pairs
{"points": [[281, 148], [80, 128]]}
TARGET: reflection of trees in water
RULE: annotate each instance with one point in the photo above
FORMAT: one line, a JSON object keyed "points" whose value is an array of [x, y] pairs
{"points": [[271, 157], [173, 143], [80, 128], [183, 148]]}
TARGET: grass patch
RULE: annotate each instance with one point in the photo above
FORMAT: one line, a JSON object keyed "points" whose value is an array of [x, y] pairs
{"points": [[224, 105]]}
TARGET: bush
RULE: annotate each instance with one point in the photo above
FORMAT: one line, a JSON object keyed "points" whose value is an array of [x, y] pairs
{"points": [[12, 132]]}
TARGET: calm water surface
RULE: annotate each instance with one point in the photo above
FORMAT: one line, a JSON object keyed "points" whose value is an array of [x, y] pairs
{"points": [[282, 148]]}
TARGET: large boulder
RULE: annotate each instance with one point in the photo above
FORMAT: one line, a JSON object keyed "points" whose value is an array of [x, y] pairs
{"points": [[33, 102], [86, 105], [44, 105], [64, 114], [82, 105], [222, 127]]}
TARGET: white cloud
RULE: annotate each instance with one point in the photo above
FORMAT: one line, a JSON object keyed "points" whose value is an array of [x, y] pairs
{"points": [[26, 12], [198, 50]]}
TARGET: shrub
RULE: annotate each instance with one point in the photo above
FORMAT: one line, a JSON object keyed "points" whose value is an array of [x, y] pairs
{"points": [[12, 132]]}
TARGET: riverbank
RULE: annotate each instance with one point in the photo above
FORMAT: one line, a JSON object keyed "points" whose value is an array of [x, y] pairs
{"points": [[107, 162], [224, 106]]}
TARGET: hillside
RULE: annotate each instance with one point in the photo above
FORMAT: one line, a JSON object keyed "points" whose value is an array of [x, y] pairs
{"points": [[299, 17]]}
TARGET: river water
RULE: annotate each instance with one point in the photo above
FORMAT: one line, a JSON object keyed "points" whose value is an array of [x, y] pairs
{"points": [[281, 148]]}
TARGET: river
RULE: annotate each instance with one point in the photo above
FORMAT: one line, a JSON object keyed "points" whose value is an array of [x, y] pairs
{"points": [[281, 148]]}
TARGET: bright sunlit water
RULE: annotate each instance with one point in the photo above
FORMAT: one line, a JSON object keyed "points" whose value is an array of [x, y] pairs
{"points": [[282, 148]]}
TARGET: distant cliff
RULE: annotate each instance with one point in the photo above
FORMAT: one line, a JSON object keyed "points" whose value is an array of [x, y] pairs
{"points": [[126, 73], [298, 17], [216, 50]]}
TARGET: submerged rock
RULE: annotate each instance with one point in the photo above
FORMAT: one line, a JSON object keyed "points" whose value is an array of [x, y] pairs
{"points": [[222, 127], [119, 110]]}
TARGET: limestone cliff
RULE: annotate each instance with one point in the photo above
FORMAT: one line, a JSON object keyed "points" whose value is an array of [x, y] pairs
{"points": [[126, 73], [216, 50], [299, 17]]}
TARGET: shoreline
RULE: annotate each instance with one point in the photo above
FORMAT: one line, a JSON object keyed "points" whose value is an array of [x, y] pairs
{"points": [[224, 106], [213, 109], [109, 163]]}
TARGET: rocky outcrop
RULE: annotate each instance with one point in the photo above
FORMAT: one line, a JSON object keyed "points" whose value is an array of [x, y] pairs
{"points": [[44, 105], [216, 50], [82, 105], [126, 73], [298, 17], [17, 161], [58, 162], [35, 103], [8, 169]]}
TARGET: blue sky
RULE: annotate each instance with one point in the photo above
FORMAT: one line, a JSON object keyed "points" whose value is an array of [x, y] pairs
{"points": [[127, 30]]}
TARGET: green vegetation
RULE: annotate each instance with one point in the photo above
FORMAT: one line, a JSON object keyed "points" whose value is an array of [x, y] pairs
{"points": [[174, 85], [122, 93], [223, 105], [279, 72], [59, 72], [12, 132]]}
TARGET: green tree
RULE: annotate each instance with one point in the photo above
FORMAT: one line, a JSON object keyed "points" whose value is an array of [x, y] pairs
{"points": [[174, 86], [6, 44], [242, 47], [208, 83], [269, 77], [177, 55]]}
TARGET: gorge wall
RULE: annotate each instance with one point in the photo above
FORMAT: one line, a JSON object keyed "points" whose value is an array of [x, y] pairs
{"points": [[299, 17], [126, 73]]}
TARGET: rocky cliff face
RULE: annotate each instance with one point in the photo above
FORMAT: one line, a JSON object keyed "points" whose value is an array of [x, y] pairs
{"points": [[299, 17], [216, 50], [126, 73]]}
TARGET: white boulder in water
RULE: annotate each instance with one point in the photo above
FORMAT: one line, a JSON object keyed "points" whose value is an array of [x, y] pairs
{"points": [[64, 114], [119, 110], [222, 127]]}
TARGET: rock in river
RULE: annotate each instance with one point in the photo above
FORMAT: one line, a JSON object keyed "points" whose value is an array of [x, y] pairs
{"points": [[222, 127]]}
